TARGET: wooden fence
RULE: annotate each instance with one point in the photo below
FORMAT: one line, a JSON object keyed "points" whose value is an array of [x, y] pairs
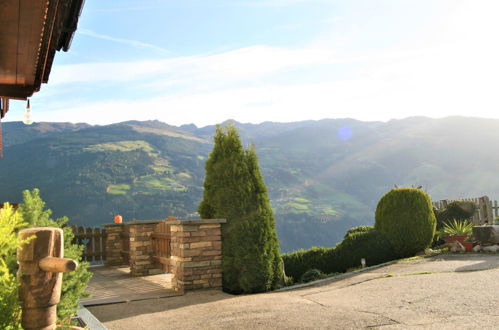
{"points": [[486, 210], [94, 240], [161, 238]]}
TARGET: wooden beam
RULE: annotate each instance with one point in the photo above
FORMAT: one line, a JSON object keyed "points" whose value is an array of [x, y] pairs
{"points": [[31, 18], [9, 16], [17, 92], [57, 265]]}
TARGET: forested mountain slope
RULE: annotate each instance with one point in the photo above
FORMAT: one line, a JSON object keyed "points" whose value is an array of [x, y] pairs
{"points": [[323, 176]]}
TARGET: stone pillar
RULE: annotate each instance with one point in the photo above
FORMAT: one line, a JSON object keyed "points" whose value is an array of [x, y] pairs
{"points": [[196, 260], [114, 244], [141, 248]]}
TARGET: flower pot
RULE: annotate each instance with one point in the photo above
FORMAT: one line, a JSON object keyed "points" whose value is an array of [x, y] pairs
{"points": [[468, 246], [452, 238]]}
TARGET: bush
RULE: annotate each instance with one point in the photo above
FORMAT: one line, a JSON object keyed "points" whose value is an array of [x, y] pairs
{"points": [[296, 263], [359, 242], [458, 210], [365, 242], [405, 216], [359, 229], [312, 275], [10, 307], [234, 189]]}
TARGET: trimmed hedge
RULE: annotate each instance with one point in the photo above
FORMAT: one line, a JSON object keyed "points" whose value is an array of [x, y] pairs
{"points": [[367, 243], [359, 242], [359, 229], [405, 216], [296, 263]]}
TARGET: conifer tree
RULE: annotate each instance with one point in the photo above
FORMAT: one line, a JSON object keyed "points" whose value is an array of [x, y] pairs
{"points": [[234, 189]]}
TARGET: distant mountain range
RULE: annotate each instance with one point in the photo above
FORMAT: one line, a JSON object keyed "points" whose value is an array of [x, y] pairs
{"points": [[323, 176]]}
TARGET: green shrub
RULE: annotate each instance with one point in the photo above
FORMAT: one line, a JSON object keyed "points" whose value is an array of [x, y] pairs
{"points": [[405, 216], [459, 210], [360, 242], [234, 190], [74, 284], [367, 243], [312, 275], [358, 229], [296, 263], [10, 307]]}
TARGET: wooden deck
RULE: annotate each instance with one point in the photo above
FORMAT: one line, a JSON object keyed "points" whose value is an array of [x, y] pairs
{"points": [[111, 285]]}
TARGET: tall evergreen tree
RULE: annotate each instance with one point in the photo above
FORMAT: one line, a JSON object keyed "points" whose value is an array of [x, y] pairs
{"points": [[234, 189]]}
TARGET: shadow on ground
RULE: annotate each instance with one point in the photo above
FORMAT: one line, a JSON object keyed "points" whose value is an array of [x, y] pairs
{"points": [[134, 308]]}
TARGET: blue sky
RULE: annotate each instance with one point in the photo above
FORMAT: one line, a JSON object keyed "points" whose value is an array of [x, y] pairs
{"points": [[202, 62]]}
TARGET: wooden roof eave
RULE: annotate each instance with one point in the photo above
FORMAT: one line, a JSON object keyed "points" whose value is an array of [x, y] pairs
{"points": [[32, 32]]}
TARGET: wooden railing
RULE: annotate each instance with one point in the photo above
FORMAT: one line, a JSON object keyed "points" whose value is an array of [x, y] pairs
{"points": [[94, 240]]}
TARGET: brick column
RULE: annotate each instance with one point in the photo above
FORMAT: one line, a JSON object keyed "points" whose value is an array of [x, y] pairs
{"points": [[114, 244], [141, 248], [196, 260]]}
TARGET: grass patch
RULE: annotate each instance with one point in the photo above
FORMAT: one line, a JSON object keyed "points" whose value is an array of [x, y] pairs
{"points": [[184, 175], [121, 146], [151, 183], [118, 189], [170, 133], [296, 207]]}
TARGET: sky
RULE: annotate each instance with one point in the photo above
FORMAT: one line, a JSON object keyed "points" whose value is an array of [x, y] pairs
{"points": [[203, 62]]}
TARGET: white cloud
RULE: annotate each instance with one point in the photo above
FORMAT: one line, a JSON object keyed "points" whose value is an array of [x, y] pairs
{"points": [[132, 43], [229, 67], [451, 70]]}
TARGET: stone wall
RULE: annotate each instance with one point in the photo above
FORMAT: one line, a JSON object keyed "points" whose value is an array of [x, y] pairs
{"points": [[114, 244], [196, 260], [196, 251]]}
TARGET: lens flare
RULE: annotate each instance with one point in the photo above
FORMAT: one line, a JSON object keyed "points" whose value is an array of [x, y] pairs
{"points": [[344, 133]]}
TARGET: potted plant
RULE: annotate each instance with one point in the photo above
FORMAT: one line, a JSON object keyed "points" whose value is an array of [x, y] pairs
{"points": [[468, 244], [456, 230]]}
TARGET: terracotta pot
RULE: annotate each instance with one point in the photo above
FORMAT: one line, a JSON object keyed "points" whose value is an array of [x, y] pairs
{"points": [[468, 246], [453, 238]]}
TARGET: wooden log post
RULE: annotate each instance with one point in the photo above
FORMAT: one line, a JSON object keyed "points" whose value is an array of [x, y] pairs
{"points": [[41, 263]]}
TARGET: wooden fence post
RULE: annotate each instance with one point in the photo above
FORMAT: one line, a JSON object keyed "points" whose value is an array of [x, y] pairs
{"points": [[41, 263]]}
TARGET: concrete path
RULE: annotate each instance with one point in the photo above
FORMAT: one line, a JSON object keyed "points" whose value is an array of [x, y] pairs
{"points": [[443, 292]]}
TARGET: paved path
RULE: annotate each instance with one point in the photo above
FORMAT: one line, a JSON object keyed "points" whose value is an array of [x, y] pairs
{"points": [[443, 292]]}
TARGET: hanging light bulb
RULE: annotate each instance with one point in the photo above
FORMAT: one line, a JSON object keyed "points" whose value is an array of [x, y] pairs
{"points": [[27, 115]]}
